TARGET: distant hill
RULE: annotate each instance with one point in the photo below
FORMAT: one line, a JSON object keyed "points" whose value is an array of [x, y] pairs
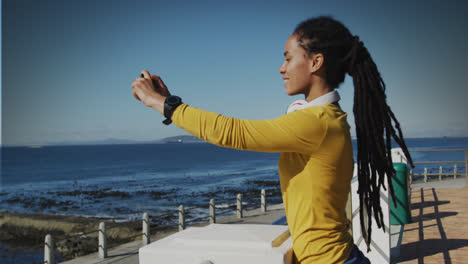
{"points": [[181, 139], [109, 141], [115, 141]]}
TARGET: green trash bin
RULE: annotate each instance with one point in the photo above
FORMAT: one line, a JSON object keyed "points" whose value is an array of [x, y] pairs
{"points": [[400, 215]]}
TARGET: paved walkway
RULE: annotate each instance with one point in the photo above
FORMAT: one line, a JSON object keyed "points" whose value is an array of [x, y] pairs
{"points": [[444, 184], [439, 229]]}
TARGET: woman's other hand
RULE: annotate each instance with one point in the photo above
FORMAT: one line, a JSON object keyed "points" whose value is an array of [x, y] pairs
{"points": [[151, 91]]}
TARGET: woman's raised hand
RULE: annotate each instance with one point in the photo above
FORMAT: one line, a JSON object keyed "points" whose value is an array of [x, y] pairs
{"points": [[151, 91]]}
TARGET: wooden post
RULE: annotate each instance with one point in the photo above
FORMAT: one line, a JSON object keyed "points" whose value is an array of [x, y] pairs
{"points": [[455, 171], [49, 256], [181, 218], [263, 201], [102, 247], [425, 174], [239, 205], [440, 173], [349, 213], [466, 167], [146, 230], [410, 178], [212, 212]]}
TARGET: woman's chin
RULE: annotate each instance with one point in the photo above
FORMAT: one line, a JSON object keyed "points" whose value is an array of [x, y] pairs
{"points": [[291, 93]]}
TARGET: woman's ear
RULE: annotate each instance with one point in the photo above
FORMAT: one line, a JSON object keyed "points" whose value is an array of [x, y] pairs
{"points": [[316, 62]]}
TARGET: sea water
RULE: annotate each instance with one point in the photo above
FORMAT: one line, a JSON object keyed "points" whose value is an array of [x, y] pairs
{"points": [[123, 181]]}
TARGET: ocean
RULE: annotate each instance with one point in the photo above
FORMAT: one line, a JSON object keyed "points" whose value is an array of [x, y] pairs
{"points": [[123, 181]]}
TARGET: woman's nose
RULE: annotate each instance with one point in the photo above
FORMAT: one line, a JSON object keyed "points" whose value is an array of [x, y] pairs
{"points": [[282, 69]]}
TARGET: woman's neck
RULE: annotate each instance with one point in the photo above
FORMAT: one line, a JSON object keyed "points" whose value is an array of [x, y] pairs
{"points": [[317, 90]]}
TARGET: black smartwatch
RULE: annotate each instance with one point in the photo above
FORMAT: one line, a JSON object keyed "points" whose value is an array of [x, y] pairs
{"points": [[171, 103]]}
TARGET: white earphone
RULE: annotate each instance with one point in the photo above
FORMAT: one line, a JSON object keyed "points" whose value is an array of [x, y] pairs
{"points": [[328, 98]]}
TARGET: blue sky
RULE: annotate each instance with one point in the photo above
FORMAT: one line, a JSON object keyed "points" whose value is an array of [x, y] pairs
{"points": [[67, 65]]}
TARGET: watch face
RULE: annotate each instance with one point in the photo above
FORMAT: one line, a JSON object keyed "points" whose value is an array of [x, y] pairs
{"points": [[172, 100]]}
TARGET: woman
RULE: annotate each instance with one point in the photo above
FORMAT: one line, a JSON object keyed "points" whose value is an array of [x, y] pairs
{"points": [[316, 162]]}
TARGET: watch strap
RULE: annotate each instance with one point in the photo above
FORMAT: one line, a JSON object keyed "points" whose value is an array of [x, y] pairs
{"points": [[170, 104]]}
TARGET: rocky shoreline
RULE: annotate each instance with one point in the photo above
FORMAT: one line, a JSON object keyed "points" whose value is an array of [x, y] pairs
{"points": [[76, 236], [73, 235]]}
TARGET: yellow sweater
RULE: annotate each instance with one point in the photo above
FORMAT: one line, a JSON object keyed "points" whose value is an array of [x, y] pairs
{"points": [[315, 168]]}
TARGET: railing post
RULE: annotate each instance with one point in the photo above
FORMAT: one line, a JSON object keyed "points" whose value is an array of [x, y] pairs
{"points": [[263, 201], [181, 218], [146, 230], [466, 167], [425, 174], [49, 256], [410, 177], [440, 173], [102, 247], [212, 212], [239, 205], [455, 171]]}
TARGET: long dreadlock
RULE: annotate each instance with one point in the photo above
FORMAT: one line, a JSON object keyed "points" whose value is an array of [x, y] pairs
{"points": [[345, 53]]}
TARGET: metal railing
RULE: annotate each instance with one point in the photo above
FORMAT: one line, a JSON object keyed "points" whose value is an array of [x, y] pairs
{"points": [[102, 247], [443, 172]]}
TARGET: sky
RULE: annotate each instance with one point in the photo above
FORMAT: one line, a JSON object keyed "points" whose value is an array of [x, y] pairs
{"points": [[67, 65]]}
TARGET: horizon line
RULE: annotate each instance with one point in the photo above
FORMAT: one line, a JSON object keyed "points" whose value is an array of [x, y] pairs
{"points": [[152, 141]]}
